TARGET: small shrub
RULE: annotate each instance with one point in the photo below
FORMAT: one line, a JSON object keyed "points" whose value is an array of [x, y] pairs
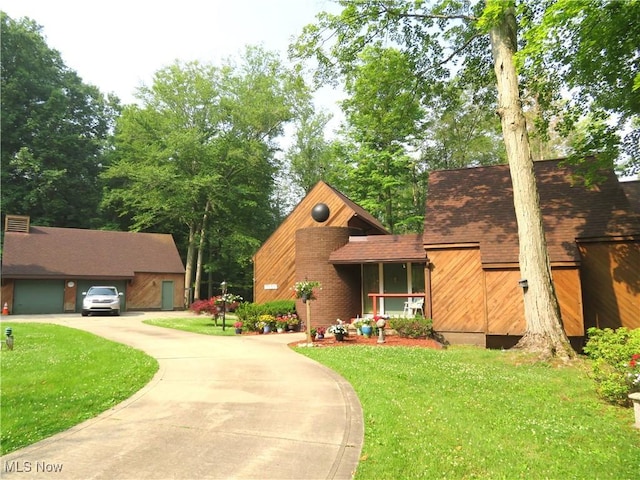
{"points": [[214, 305], [614, 368], [416, 327], [208, 306], [250, 313]]}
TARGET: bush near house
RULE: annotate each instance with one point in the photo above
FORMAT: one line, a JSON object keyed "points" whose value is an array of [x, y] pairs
{"points": [[415, 327], [213, 305], [250, 313], [616, 362]]}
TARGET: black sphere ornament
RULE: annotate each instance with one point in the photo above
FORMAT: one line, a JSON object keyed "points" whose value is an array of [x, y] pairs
{"points": [[320, 212]]}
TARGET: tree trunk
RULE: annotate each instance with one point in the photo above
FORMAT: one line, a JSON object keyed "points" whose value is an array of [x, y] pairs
{"points": [[188, 271], [544, 331], [203, 229]]}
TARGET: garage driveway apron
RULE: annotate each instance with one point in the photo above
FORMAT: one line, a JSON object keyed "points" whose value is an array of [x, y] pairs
{"points": [[219, 407]]}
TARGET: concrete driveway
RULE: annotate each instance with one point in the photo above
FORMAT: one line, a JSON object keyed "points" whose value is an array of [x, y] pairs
{"points": [[244, 407]]}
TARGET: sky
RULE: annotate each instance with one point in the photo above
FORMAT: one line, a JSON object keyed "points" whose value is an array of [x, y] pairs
{"points": [[118, 45]]}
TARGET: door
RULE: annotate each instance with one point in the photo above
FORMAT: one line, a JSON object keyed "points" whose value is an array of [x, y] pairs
{"points": [[395, 281], [167, 295], [370, 284], [38, 296]]}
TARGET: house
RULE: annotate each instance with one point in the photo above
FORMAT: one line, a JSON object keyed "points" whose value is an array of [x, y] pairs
{"points": [[299, 249], [465, 265], [46, 269], [470, 237]]}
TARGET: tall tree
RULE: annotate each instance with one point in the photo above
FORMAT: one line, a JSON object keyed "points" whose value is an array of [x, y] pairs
{"points": [[591, 48], [486, 33], [384, 117], [54, 132], [460, 131], [199, 151], [310, 156]]}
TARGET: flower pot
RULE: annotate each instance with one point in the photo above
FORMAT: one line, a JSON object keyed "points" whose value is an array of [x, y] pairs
{"points": [[266, 329], [367, 330], [339, 337], [238, 331], [280, 330], [319, 336]]}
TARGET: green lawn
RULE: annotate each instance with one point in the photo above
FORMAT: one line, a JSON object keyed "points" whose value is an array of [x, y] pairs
{"points": [[467, 413], [203, 324], [460, 413], [57, 377]]}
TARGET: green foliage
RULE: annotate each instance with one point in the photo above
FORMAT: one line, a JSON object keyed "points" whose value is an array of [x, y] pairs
{"points": [[401, 121], [198, 157], [461, 131], [415, 327], [250, 313], [54, 132], [57, 377], [611, 352], [591, 48], [310, 155], [483, 414]]}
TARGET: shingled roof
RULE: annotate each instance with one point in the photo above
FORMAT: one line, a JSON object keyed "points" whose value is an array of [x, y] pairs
{"points": [[380, 249], [632, 190], [476, 206], [51, 252]]}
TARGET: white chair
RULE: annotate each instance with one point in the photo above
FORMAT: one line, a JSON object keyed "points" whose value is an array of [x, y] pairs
{"points": [[406, 312], [415, 305]]}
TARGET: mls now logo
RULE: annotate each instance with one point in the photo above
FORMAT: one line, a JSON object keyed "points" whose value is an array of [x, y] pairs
{"points": [[26, 467]]}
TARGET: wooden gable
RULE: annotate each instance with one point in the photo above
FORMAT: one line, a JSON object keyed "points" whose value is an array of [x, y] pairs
{"points": [[274, 263]]}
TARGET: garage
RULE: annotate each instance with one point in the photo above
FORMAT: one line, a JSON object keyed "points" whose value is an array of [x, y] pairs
{"points": [[46, 269], [38, 296]]}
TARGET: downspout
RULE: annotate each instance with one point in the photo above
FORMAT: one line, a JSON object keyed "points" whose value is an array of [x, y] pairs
{"points": [[427, 290]]}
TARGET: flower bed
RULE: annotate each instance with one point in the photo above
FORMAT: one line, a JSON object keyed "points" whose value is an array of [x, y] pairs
{"points": [[390, 341]]}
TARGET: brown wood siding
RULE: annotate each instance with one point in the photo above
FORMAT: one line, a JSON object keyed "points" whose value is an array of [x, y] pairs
{"points": [[274, 263], [7, 294], [457, 297], [610, 276], [505, 305], [569, 292], [145, 291]]}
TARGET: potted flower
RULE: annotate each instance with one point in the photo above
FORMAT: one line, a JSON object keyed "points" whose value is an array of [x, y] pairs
{"points": [[318, 333], [228, 301], [266, 322], [281, 323], [366, 327], [358, 325], [238, 326], [339, 331], [304, 290], [292, 321]]}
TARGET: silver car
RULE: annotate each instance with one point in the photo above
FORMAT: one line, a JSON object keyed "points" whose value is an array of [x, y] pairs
{"points": [[101, 300]]}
